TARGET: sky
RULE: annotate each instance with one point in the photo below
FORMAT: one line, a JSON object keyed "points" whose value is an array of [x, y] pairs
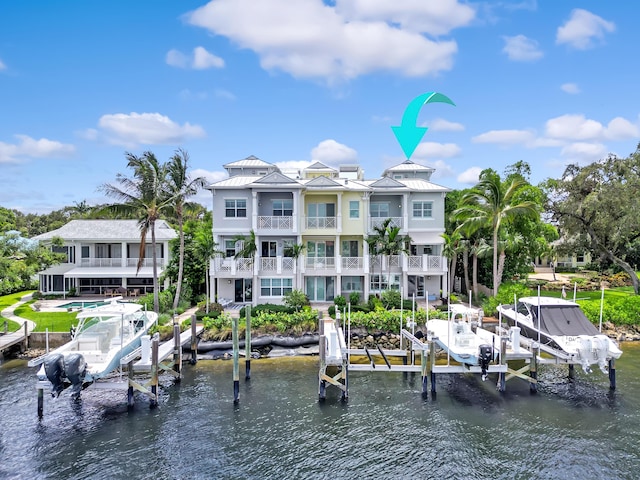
{"points": [[296, 81]]}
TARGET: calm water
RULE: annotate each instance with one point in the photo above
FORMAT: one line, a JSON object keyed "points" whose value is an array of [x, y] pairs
{"points": [[279, 430]]}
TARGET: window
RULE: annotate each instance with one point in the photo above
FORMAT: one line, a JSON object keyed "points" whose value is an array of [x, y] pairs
{"points": [[354, 209], [349, 248], [320, 249], [85, 251], [282, 208], [229, 248], [68, 251], [379, 282], [352, 284], [235, 208], [268, 249], [275, 287], [321, 210], [379, 210], [422, 209]]}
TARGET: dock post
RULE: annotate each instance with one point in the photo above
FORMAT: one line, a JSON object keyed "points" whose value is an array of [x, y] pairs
{"points": [[502, 376], [40, 402], [177, 351], [247, 344], [26, 337], [194, 342], [432, 362], [612, 374], [345, 377], [155, 343], [236, 366], [423, 371], [322, 385], [130, 388], [572, 371], [533, 372]]}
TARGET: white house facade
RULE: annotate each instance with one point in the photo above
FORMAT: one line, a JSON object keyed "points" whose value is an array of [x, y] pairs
{"points": [[102, 257], [331, 212]]}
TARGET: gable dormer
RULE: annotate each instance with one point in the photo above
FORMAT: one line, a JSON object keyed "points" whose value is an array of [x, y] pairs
{"points": [[409, 169], [251, 165]]}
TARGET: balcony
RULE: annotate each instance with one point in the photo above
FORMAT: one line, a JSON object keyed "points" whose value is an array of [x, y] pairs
{"points": [[231, 266], [392, 261], [378, 221], [119, 262], [276, 264], [320, 222], [275, 223], [352, 263], [320, 263], [425, 263]]}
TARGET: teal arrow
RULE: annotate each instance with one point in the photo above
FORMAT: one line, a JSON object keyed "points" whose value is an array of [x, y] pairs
{"points": [[408, 133]]}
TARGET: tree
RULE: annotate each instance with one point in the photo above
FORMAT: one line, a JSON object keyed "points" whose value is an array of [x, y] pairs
{"points": [[180, 187], [387, 241], [206, 249], [491, 204], [295, 251], [597, 205], [146, 196], [248, 246], [452, 247]]}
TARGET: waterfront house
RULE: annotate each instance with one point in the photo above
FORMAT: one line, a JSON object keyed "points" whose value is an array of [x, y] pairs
{"points": [[102, 258], [331, 212]]}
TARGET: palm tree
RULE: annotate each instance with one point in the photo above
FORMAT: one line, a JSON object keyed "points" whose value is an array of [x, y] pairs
{"points": [[249, 245], [145, 196], [387, 241], [206, 249], [181, 186], [451, 248], [491, 204], [295, 250]]}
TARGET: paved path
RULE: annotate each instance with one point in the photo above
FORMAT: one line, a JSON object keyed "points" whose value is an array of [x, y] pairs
{"points": [[18, 336]]}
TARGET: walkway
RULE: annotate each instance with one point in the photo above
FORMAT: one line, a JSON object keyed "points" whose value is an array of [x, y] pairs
{"points": [[18, 336]]}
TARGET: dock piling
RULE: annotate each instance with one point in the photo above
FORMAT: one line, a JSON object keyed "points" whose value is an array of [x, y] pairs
{"points": [[533, 372], [194, 342], [247, 345], [155, 343], [236, 366], [40, 402], [612, 374], [177, 351]]}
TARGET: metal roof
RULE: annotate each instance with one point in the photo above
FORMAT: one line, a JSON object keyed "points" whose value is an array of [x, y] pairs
{"points": [[120, 230]]}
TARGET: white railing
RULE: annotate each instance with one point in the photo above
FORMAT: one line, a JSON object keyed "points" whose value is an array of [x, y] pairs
{"points": [[321, 222], [244, 264], [320, 263], [101, 262], [426, 263], [147, 262], [352, 263], [268, 264], [288, 263], [275, 223], [377, 221]]}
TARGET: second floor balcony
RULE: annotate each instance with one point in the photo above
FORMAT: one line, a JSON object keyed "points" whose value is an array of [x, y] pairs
{"points": [[320, 222], [378, 221], [275, 223], [121, 262]]}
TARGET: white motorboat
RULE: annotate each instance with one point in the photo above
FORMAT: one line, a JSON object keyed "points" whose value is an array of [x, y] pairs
{"points": [[561, 325], [102, 337], [458, 339]]}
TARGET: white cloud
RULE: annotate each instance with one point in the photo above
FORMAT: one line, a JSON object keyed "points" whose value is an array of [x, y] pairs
{"points": [[200, 60], [584, 152], [177, 59], [470, 176], [621, 129], [521, 49], [28, 147], [203, 59], [146, 128], [341, 42], [331, 152], [574, 127], [441, 125], [442, 169], [571, 88], [582, 28], [437, 150], [224, 94], [433, 18], [505, 137]]}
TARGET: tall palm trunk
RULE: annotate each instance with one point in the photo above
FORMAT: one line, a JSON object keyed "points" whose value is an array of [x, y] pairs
{"points": [[156, 294], [176, 299], [496, 281], [465, 266]]}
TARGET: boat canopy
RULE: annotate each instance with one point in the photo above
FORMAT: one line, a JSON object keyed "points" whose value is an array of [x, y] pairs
{"points": [[563, 320]]}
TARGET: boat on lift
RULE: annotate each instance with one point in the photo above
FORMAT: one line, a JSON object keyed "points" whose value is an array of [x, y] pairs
{"points": [[457, 337], [103, 335], [561, 325]]}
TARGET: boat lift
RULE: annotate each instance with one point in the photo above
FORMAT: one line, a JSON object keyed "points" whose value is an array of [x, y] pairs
{"points": [[151, 357], [336, 356]]}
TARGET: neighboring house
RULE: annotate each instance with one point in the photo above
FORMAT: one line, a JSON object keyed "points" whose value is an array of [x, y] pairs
{"points": [[331, 212], [102, 257]]}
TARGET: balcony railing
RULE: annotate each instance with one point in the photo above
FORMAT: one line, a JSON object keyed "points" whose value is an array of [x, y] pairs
{"points": [[377, 221], [320, 263], [352, 263], [386, 262], [275, 223], [321, 222], [269, 264], [288, 263], [118, 262], [426, 263]]}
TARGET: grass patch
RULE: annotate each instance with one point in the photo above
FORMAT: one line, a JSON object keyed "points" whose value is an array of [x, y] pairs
{"points": [[54, 321], [609, 294], [7, 301]]}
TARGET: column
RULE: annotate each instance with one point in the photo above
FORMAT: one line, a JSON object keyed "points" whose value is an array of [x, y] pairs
{"points": [[339, 219], [296, 215], [254, 210], [405, 212]]}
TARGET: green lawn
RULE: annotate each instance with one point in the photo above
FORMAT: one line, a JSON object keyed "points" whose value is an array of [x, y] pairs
{"points": [[54, 321], [591, 294], [7, 301]]}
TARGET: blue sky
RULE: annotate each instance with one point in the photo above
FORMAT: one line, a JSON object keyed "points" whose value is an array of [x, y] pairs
{"points": [[294, 81]]}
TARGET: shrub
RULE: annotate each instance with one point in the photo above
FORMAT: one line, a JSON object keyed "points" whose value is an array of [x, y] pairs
{"points": [[296, 299], [506, 294], [391, 299], [267, 307], [354, 298], [340, 301]]}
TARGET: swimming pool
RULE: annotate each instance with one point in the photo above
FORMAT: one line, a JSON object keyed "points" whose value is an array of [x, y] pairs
{"points": [[94, 303]]}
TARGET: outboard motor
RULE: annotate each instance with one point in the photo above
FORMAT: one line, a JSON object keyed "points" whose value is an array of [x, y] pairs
{"points": [[54, 368], [76, 369], [485, 354]]}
